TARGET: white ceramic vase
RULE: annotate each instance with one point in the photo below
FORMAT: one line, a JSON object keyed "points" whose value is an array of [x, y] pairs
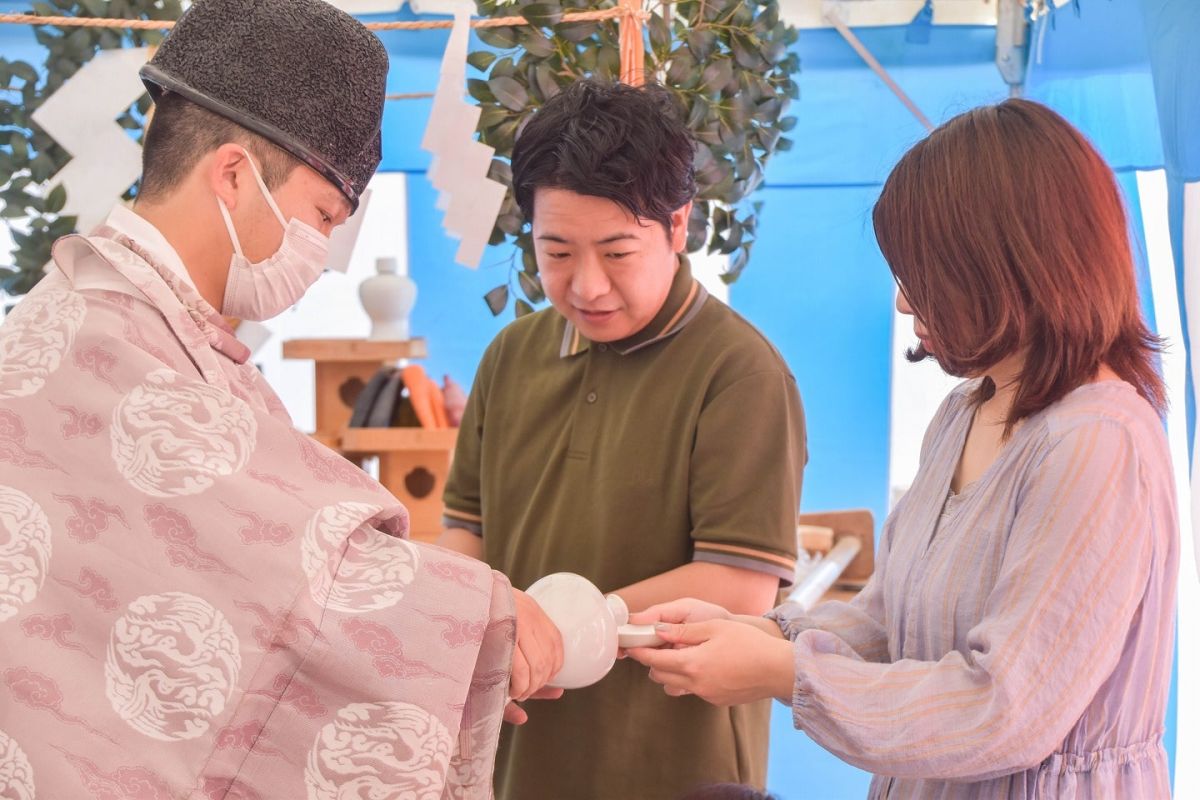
{"points": [[388, 298], [588, 623]]}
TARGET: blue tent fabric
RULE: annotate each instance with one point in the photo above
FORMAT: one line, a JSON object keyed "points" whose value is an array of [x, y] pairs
{"points": [[1173, 35], [1107, 92], [919, 29], [850, 128], [816, 283], [1173, 27]]}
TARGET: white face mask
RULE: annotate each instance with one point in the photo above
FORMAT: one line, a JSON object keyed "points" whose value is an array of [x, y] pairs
{"points": [[259, 291]]}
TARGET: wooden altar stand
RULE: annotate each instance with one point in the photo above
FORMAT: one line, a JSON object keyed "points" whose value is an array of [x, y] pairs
{"points": [[413, 462]]}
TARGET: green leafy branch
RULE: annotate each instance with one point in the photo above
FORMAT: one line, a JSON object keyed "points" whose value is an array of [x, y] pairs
{"points": [[30, 204], [728, 63]]}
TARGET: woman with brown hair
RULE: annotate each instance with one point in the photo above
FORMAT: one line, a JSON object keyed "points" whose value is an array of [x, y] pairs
{"points": [[1016, 638]]}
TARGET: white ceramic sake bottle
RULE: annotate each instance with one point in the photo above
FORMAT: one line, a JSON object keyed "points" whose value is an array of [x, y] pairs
{"points": [[593, 627], [388, 298]]}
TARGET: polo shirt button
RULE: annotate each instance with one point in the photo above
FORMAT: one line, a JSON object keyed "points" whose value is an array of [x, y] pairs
{"points": [[591, 397], [603, 348]]}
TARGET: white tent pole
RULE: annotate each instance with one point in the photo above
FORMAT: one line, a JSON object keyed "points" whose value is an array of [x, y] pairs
{"points": [[834, 16], [1152, 195]]}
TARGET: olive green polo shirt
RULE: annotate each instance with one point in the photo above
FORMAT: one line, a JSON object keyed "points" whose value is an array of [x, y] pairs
{"points": [[621, 461]]}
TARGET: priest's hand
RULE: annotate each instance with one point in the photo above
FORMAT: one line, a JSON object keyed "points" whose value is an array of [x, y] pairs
{"points": [[516, 715], [724, 662], [539, 653]]}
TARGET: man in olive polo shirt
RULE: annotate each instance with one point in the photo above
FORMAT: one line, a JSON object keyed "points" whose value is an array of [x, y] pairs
{"points": [[639, 433]]}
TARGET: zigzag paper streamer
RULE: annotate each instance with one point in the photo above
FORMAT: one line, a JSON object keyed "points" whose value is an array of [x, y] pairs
{"points": [[469, 199], [81, 116]]}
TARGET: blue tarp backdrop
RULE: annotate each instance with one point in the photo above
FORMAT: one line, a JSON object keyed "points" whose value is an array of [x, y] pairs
{"points": [[816, 284]]}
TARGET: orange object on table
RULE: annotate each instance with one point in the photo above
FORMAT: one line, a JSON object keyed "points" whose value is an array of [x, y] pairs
{"points": [[425, 397]]}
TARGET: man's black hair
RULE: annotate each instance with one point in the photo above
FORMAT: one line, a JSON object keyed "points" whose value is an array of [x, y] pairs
{"points": [[629, 145]]}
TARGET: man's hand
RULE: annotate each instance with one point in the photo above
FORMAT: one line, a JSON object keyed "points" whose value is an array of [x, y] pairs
{"points": [[679, 612], [539, 653]]}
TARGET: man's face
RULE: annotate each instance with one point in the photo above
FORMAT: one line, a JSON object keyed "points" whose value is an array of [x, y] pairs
{"points": [[603, 270], [305, 196]]}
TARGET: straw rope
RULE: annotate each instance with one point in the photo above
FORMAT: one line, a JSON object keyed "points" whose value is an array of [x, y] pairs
{"points": [[165, 24], [626, 12], [633, 46]]}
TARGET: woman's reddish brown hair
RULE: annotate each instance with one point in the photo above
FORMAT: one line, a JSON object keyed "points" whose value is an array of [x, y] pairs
{"points": [[1007, 234]]}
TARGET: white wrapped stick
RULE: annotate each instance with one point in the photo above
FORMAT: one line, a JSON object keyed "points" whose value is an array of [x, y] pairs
{"points": [[825, 573]]}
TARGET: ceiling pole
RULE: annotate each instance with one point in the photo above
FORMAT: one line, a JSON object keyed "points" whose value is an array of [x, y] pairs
{"points": [[1012, 44], [835, 19]]}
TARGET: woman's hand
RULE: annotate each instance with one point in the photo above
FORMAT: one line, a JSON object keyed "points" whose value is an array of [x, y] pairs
{"points": [[678, 612], [721, 661]]}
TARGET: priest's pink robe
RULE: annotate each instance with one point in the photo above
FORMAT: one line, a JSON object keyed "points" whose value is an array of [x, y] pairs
{"points": [[196, 599]]}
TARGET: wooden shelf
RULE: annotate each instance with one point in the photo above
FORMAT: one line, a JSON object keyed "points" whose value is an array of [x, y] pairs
{"points": [[413, 462], [391, 440], [355, 350], [343, 369], [332, 442]]}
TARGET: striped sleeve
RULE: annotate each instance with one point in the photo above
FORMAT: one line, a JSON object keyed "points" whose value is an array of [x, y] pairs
{"points": [[747, 466], [1054, 624], [751, 558], [453, 518], [462, 500]]}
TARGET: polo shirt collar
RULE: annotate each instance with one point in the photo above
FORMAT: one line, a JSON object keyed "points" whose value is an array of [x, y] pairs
{"points": [[684, 300]]}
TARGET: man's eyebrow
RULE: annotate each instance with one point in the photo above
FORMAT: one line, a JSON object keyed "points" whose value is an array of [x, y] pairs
{"points": [[616, 237]]}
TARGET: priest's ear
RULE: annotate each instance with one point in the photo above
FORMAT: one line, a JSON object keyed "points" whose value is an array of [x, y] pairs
{"points": [[231, 165], [229, 174]]}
